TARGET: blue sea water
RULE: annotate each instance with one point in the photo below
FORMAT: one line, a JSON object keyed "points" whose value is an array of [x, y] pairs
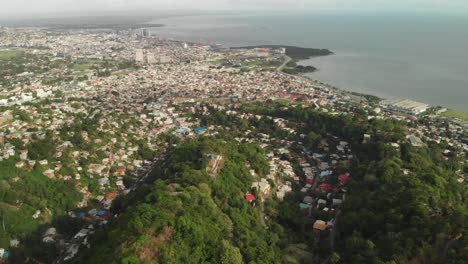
{"points": [[420, 57]]}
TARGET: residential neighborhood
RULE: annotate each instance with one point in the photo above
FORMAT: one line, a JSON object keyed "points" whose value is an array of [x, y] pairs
{"points": [[92, 114]]}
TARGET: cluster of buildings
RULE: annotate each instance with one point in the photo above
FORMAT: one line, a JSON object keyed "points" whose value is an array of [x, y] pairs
{"points": [[325, 180], [128, 112]]}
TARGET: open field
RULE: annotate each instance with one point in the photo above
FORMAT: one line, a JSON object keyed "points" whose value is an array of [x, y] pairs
{"points": [[456, 114], [8, 54]]}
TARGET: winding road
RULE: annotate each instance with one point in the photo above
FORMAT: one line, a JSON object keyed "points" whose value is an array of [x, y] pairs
{"points": [[287, 59]]}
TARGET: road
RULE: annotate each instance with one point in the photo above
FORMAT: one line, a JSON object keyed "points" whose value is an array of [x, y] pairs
{"points": [[287, 59], [262, 213], [450, 244]]}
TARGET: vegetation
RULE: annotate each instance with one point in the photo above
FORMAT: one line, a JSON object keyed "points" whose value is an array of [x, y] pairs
{"points": [[299, 69], [65, 69], [8, 54], [26, 190], [187, 216], [389, 215], [297, 53], [403, 204], [462, 115]]}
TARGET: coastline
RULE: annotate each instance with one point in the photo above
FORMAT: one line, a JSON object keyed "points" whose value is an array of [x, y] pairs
{"points": [[448, 112], [293, 66], [294, 54], [373, 67]]}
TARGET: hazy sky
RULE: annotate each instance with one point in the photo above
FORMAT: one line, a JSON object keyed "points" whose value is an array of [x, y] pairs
{"points": [[18, 7]]}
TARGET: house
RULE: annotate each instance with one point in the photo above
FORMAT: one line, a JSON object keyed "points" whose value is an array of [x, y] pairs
{"points": [[181, 131], [23, 154], [249, 197], [324, 187], [102, 214], [263, 187], [283, 190], [49, 173], [308, 200], [111, 196], [49, 235], [320, 225], [326, 173], [367, 138], [92, 212], [120, 184], [337, 202], [120, 171], [103, 181], [321, 202], [343, 178], [3, 254], [14, 243], [52, 231], [199, 130]]}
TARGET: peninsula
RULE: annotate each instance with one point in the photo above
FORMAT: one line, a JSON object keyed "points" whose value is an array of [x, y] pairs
{"points": [[296, 53]]}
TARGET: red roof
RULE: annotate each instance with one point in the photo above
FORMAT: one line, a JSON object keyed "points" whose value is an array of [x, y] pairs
{"points": [[120, 171], [105, 215], [249, 197], [325, 187], [343, 179], [310, 181], [111, 196]]}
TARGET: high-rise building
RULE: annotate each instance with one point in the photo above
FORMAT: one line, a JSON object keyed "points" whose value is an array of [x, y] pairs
{"points": [[145, 32], [150, 58], [140, 56], [164, 59]]}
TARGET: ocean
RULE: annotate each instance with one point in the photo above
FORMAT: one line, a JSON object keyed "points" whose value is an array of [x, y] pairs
{"points": [[420, 57]]}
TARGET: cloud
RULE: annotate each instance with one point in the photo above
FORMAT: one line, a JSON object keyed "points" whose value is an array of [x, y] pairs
{"points": [[10, 7]]}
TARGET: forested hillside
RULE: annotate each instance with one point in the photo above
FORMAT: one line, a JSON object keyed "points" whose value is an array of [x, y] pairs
{"points": [[404, 202], [187, 216]]}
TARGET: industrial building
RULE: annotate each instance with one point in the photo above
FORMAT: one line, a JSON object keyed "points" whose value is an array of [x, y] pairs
{"points": [[408, 107]]}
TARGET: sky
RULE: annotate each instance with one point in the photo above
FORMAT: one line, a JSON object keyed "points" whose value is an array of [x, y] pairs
{"points": [[11, 8]]}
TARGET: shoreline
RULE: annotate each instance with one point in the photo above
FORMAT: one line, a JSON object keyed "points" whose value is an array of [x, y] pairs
{"points": [[456, 112], [310, 53]]}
